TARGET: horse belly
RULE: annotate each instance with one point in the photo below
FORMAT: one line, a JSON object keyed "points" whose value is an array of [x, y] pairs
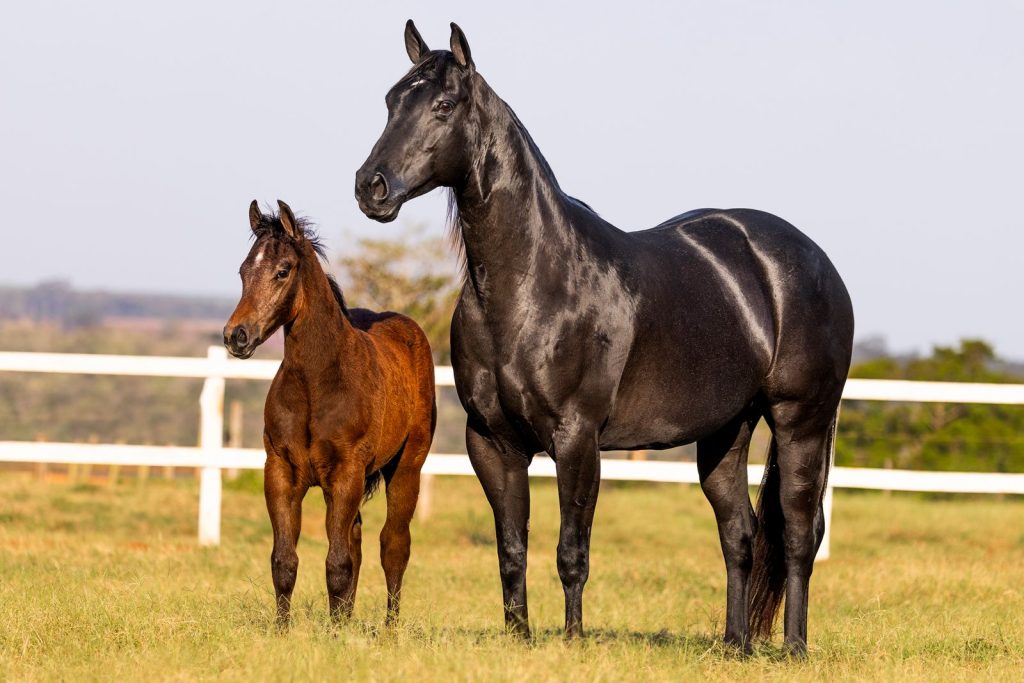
{"points": [[669, 395], [645, 421]]}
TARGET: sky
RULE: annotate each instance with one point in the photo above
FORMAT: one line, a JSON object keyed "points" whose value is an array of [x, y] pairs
{"points": [[134, 135]]}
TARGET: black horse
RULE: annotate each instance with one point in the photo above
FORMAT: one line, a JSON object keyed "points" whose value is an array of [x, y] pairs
{"points": [[572, 336]]}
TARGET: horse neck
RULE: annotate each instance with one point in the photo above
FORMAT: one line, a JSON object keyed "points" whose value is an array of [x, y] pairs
{"points": [[316, 337], [510, 204]]}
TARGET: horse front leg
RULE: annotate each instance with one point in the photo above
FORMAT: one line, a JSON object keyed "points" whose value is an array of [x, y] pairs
{"points": [[343, 492], [284, 503], [503, 476], [578, 469]]}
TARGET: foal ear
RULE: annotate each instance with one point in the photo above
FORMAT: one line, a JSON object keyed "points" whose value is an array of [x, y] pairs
{"points": [[255, 217], [414, 44], [460, 47], [288, 221]]}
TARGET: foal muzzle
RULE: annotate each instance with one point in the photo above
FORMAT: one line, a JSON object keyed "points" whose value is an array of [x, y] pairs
{"points": [[241, 341]]}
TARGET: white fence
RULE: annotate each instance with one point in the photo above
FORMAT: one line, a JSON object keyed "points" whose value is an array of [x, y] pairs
{"points": [[211, 456]]}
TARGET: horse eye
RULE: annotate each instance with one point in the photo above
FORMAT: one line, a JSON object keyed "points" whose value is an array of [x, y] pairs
{"points": [[445, 107], [282, 274]]}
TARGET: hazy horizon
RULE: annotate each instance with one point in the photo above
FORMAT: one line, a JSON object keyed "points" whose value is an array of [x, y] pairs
{"points": [[135, 136]]}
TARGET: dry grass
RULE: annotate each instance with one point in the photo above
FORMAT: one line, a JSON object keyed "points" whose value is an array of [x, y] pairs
{"points": [[101, 582]]}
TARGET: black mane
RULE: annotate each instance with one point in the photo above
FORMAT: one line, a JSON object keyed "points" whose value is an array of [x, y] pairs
{"points": [[270, 224], [434, 68]]}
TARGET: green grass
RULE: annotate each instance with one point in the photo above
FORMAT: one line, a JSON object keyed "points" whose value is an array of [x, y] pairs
{"points": [[101, 582]]}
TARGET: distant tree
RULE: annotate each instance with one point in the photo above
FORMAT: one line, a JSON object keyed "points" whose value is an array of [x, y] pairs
{"points": [[413, 275], [935, 436]]}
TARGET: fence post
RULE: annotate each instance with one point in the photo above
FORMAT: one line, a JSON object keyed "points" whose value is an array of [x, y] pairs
{"points": [[826, 503], [235, 426], [211, 439], [425, 504]]}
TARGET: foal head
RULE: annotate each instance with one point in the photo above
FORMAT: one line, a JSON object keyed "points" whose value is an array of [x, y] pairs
{"points": [[271, 275], [431, 124]]}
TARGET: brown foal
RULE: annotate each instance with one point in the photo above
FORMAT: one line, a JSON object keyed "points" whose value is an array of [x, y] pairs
{"points": [[353, 402]]}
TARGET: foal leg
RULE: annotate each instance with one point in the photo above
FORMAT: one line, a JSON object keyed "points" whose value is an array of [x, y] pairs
{"points": [[356, 550], [503, 476], [722, 465], [578, 471], [284, 503], [343, 492], [403, 490], [802, 433]]}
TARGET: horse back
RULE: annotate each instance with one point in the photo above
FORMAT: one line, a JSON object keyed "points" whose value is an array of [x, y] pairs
{"points": [[401, 346], [731, 304]]}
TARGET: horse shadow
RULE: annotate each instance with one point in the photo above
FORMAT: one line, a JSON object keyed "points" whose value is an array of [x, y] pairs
{"points": [[254, 614]]}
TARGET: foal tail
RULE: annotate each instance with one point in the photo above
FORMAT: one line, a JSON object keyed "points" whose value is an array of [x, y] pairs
{"points": [[371, 484], [768, 575]]}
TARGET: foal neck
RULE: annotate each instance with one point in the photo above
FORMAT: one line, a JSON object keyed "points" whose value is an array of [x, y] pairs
{"points": [[319, 328]]}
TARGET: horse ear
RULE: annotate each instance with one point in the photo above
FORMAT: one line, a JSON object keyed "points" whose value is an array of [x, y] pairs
{"points": [[288, 221], [414, 44], [460, 47], [255, 217]]}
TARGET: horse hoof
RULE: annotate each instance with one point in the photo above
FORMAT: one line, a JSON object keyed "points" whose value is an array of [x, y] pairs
{"points": [[573, 632], [520, 633], [739, 645]]}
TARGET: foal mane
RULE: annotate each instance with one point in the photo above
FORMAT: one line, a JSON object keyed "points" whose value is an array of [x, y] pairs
{"points": [[270, 224]]}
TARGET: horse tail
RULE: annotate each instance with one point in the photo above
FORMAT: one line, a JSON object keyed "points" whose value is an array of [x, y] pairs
{"points": [[371, 484], [768, 574]]}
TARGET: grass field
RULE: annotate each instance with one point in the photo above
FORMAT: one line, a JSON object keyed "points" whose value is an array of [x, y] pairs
{"points": [[106, 582]]}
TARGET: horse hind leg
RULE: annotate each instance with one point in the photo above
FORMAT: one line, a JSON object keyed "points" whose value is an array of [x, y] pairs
{"points": [[722, 467], [803, 434], [402, 487]]}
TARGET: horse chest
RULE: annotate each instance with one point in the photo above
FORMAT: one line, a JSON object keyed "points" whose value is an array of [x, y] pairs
{"points": [[313, 432], [527, 389]]}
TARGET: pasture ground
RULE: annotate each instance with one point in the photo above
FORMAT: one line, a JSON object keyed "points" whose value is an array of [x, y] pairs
{"points": [[107, 582]]}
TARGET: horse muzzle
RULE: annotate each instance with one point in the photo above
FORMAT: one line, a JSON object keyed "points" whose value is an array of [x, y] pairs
{"points": [[379, 197], [241, 341]]}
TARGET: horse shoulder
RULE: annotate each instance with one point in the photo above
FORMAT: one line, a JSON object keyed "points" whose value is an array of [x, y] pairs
{"points": [[285, 418], [473, 364]]}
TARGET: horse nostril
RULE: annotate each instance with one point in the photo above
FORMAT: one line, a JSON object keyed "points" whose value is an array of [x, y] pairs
{"points": [[241, 337], [379, 186]]}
